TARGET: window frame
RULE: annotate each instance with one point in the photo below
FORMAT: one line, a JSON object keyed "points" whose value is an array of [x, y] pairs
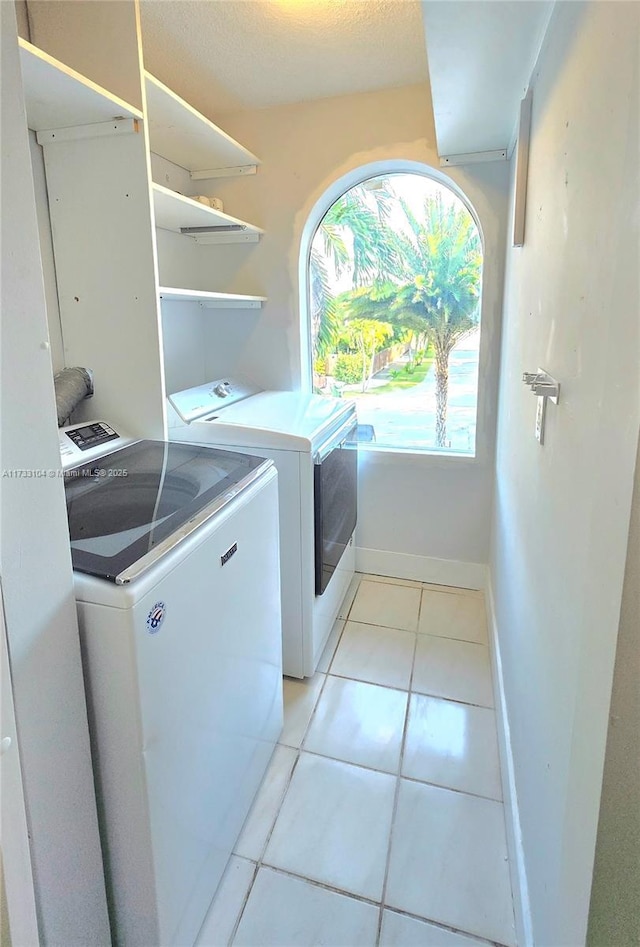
{"points": [[329, 197]]}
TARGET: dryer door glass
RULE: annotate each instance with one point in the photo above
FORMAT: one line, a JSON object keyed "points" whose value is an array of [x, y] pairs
{"points": [[336, 502]]}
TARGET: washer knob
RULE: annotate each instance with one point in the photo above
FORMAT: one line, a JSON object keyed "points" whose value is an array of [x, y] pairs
{"points": [[220, 391]]}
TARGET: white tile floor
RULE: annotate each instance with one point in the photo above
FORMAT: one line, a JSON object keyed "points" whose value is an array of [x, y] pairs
{"points": [[380, 820]]}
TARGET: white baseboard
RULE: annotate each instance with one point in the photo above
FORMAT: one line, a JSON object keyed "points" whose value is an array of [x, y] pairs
{"points": [[401, 565], [522, 910]]}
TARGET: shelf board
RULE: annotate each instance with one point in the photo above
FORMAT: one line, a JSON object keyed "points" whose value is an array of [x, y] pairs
{"points": [[57, 96], [211, 300], [174, 211], [183, 135]]}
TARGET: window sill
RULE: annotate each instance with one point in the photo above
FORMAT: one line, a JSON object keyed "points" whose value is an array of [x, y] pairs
{"points": [[375, 453]]}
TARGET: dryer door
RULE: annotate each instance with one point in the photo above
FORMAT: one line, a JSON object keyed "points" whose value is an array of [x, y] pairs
{"points": [[335, 501]]}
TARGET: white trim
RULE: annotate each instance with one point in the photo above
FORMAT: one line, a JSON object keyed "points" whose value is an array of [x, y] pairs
{"points": [[472, 157], [517, 864], [223, 173], [118, 126], [402, 565], [209, 239], [522, 166], [15, 864], [210, 300]]}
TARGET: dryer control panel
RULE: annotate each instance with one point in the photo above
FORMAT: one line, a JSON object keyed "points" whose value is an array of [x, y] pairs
{"points": [[194, 403]]}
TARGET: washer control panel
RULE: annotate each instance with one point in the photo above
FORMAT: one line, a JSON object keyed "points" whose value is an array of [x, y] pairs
{"points": [[82, 442], [91, 435]]}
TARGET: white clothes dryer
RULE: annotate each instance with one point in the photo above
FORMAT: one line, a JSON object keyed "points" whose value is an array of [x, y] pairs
{"points": [[312, 441]]}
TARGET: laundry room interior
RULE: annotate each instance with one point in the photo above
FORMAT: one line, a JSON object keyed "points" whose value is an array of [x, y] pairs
{"points": [[416, 715]]}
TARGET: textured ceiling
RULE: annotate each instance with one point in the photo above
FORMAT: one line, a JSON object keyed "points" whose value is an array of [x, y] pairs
{"points": [[224, 55]]}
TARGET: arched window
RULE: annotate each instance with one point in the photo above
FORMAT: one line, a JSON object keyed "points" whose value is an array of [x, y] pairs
{"points": [[394, 286]]}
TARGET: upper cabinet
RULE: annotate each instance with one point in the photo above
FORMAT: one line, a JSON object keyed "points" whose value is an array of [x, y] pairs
{"points": [[184, 136], [58, 97]]}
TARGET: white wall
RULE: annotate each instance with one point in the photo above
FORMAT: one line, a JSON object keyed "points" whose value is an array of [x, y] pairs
{"points": [[22, 18], [561, 513], [109, 53], [35, 564], [421, 506]]}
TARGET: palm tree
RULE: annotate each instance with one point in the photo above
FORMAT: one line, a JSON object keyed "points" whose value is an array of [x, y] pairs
{"points": [[445, 290], [435, 291], [324, 322], [363, 213], [350, 235]]}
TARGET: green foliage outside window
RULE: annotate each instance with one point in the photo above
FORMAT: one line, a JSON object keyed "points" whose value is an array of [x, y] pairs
{"points": [[348, 368]]}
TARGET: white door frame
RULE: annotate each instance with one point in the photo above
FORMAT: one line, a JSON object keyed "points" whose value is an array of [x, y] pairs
{"points": [[14, 835]]}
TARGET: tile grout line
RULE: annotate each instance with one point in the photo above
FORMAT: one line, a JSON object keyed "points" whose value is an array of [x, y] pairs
{"points": [[335, 650], [359, 680], [462, 792], [259, 862], [423, 634], [453, 700], [476, 938], [321, 884], [361, 899], [244, 904], [479, 644], [300, 749], [391, 580], [279, 806], [419, 584], [313, 713], [386, 772], [397, 790], [399, 778], [357, 589]]}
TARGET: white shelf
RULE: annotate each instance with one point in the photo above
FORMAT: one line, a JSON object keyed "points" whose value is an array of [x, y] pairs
{"points": [[174, 211], [183, 135], [59, 97], [211, 300]]}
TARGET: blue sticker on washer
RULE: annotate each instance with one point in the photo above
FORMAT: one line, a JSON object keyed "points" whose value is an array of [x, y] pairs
{"points": [[156, 617]]}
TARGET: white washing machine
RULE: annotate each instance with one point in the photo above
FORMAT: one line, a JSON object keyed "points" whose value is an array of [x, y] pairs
{"points": [[312, 441], [176, 569]]}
